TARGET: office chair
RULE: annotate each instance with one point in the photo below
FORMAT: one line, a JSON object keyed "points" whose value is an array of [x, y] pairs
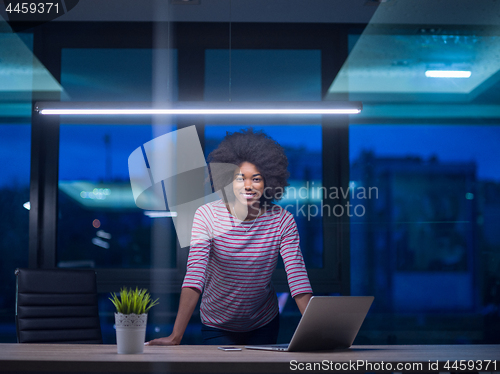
{"points": [[57, 306]]}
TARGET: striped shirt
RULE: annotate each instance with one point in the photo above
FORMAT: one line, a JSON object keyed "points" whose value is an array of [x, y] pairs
{"points": [[232, 262]]}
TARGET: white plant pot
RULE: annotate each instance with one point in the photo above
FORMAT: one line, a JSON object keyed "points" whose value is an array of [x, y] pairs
{"points": [[130, 332]]}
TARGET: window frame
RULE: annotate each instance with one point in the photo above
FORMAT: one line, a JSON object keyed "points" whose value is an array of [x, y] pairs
{"points": [[51, 38]]}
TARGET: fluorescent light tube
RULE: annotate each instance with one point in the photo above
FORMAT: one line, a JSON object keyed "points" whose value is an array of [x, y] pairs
{"points": [[102, 112], [159, 214], [199, 108], [448, 73]]}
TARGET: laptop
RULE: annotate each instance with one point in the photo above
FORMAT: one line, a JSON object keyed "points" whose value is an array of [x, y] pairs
{"points": [[328, 323]]}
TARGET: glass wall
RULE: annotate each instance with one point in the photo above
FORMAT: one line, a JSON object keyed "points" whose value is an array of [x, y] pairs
{"points": [[421, 159], [426, 245], [16, 77], [423, 171], [14, 205], [277, 75], [100, 225]]}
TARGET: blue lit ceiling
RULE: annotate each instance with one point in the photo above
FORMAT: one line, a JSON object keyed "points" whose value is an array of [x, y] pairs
{"points": [[385, 69]]}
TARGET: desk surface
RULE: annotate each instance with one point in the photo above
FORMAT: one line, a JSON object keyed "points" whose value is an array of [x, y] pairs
{"points": [[208, 359]]}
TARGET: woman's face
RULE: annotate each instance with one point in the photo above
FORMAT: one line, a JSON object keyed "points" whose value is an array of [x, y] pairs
{"points": [[248, 184]]}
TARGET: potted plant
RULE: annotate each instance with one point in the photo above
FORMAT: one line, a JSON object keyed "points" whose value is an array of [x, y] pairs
{"points": [[131, 317]]}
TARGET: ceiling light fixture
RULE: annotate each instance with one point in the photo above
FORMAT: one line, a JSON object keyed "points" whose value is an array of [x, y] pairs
{"points": [[448, 73], [200, 108], [159, 214]]}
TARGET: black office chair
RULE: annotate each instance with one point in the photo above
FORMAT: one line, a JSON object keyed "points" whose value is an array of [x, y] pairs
{"points": [[57, 306]]}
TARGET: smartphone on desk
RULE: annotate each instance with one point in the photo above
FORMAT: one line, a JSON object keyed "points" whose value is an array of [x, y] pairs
{"points": [[229, 348]]}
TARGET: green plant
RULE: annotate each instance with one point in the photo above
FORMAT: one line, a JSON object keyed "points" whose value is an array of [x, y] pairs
{"points": [[130, 301]]}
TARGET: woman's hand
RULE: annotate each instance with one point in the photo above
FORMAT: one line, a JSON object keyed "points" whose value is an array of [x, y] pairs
{"points": [[302, 300], [169, 340], [187, 303]]}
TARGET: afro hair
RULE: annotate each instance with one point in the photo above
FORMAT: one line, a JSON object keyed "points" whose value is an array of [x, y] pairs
{"points": [[256, 148]]}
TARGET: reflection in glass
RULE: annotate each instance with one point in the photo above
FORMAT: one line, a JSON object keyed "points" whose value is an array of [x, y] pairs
{"points": [[99, 222], [15, 142], [277, 75], [303, 197], [425, 244]]}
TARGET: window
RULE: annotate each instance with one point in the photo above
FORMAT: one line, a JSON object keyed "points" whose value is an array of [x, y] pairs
{"points": [[16, 74], [99, 224], [277, 75], [426, 245]]}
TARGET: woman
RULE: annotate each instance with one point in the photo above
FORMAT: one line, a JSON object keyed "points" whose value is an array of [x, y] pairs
{"points": [[235, 246]]}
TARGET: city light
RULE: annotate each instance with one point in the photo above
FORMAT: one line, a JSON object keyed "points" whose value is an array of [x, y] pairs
{"points": [[96, 193], [103, 234], [100, 243]]}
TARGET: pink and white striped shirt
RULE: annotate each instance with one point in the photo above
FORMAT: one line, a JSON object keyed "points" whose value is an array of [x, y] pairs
{"points": [[232, 261]]}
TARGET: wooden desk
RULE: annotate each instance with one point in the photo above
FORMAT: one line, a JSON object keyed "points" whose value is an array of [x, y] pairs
{"points": [[208, 359]]}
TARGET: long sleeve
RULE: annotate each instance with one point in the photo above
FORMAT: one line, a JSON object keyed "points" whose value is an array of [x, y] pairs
{"points": [[199, 251], [298, 281], [232, 263]]}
